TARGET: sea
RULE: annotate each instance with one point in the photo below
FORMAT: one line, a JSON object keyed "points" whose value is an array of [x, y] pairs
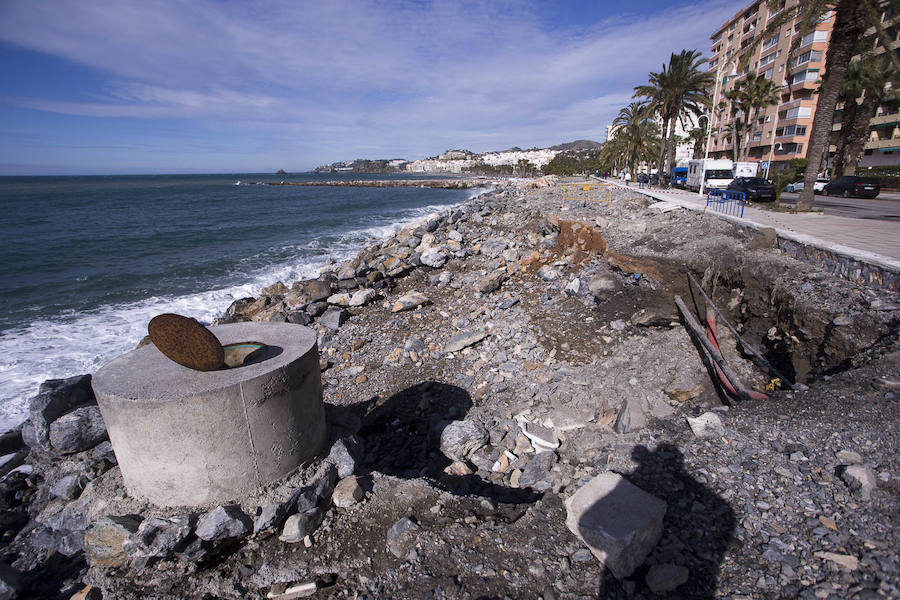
{"points": [[87, 261]]}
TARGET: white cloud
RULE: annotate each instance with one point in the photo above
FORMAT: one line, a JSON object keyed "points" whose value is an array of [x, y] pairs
{"points": [[395, 78]]}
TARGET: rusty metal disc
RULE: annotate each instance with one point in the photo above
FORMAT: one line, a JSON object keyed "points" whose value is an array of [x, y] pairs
{"points": [[187, 342]]}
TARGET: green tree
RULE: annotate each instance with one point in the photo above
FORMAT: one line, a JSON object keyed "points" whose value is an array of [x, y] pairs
{"points": [[852, 18], [680, 89], [756, 93], [635, 139], [868, 83]]}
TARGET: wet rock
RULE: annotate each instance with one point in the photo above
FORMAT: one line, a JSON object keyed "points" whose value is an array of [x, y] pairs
{"points": [[631, 417], [536, 473], [618, 521], [334, 317], [402, 536], [459, 439], [55, 398], [347, 492], [409, 301], [861, 480], [707, 425], [300, 525], [222, 523], [464, 340], [78, 430], [276, 289], [665, 578], [345, 453], [104, 542]]}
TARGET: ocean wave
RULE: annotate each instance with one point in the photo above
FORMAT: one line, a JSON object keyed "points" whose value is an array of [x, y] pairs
{"points": [[76, 343]]}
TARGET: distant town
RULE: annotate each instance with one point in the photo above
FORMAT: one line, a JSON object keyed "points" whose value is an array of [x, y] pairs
{"points": [[513, 161]]}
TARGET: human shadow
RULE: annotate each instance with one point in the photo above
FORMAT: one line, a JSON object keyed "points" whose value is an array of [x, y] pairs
{"points": [[401, 437], [698, 527]]}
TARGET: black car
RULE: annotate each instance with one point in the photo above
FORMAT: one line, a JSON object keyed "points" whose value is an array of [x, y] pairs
{"points": [[756, 188], [853, 185]]}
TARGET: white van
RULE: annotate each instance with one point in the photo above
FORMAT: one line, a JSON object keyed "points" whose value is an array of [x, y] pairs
{"points": [[746, 169], [717, 172]]}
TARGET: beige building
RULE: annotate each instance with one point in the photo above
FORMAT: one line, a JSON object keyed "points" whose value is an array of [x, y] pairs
{"points": [[788, 125]]}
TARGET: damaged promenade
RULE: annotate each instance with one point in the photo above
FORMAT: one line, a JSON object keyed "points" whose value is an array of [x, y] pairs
{"points": [[493, 376]]}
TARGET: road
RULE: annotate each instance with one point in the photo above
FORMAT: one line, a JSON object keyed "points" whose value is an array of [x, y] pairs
{"points": [[885, 207]]}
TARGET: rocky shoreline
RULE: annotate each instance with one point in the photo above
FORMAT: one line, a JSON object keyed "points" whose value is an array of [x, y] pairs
{"points": [[443, 184], [493, 375]]}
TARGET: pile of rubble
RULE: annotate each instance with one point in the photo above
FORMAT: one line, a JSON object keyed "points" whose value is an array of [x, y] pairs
{"points": [[516, 410]]}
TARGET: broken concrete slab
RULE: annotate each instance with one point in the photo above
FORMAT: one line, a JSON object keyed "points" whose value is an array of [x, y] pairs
{"points": [[618, 521]]}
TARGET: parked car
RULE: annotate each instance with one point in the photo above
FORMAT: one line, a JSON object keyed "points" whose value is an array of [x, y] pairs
{"points": [[798, 186], [853, 185], [757, 189]]}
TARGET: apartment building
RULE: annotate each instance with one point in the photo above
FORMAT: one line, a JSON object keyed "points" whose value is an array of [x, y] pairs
{"points": [[883, 145], [781, 131]]}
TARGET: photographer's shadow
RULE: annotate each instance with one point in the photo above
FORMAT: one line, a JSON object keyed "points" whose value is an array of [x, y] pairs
{"points": [[697, 529], [401, 439]]}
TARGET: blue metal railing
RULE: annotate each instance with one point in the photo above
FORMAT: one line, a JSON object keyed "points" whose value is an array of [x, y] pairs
{"points": [[726, 201]]}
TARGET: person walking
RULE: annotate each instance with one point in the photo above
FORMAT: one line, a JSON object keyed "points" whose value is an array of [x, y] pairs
{"points": [[627, 178]]}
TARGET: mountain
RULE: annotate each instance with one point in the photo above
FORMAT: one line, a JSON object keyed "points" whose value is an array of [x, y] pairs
{"points": [[578, 145]]}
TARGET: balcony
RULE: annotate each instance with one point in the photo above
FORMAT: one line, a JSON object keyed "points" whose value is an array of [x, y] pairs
{"points": [[889, 143], [884, 120]]}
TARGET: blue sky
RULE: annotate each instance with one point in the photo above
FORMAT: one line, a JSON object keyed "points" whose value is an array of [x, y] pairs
{"points": [[165, 86]]}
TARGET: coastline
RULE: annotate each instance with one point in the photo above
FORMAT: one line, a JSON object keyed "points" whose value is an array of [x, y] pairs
{"points": [[549, 341]]}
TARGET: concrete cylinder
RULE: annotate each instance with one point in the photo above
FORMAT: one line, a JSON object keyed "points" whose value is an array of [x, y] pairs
{"points": [[192, 438]]}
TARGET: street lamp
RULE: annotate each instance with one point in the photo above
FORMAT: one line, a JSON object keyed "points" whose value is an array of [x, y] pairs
{"points": [[709, 121]]}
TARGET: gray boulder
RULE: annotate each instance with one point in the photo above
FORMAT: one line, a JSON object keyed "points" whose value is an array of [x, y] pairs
{"points": [[79, 430], [459, 439], [55, 398], [69, 487], [222, 523], [300, 525], [536, 473], [157, 538], [618, 521], [464, 340], [861, 480], [631, 417], [707, 425], [401, 537], [317, 491], [334, 317], [345, 453], [665, 578], [434, 258], [317, 290], [104, 542]]}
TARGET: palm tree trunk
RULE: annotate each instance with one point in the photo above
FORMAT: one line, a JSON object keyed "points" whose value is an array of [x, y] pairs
{"points": [[662, 147], [859, 131], [849, 25], [848, 115], [670, 154]]}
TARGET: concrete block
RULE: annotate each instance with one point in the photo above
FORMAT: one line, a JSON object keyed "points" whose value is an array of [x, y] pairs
{"points": [[618, 521], [192, 438]]}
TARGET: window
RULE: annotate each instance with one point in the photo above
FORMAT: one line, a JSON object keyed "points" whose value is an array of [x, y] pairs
{"points": [[790, 130], [810, 75], [757, 136], [768, 73], [770, 42], [767, 59], [814, 36], [808, 56]]}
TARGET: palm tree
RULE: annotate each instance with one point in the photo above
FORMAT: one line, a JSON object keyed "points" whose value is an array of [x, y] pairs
{"points": [[757, 93], [734, 102], [680, 89], [852, 18], [872, 81], [635, 139]]}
